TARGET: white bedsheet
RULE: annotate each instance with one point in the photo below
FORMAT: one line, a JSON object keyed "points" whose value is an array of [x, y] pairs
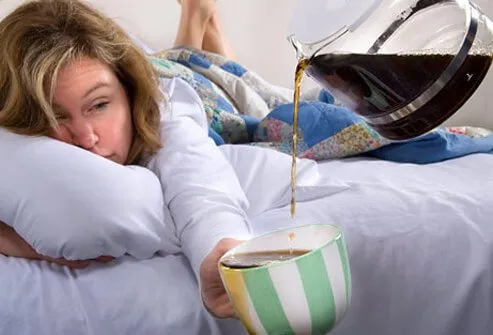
{"points": [[129, 297], [420, 244]]}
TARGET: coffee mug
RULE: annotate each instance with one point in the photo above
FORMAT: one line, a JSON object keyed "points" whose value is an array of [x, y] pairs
{"points": [[306, 293]]}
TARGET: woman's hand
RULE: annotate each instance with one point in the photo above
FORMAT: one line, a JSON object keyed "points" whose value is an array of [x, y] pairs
{"points": [[214, 294], [13, 245]]}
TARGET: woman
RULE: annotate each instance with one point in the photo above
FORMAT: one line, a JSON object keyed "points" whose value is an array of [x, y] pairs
{"points": [[74, 75]]}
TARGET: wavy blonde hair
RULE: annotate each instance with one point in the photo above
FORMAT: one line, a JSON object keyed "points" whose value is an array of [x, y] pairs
{"points": [[41, 37]]}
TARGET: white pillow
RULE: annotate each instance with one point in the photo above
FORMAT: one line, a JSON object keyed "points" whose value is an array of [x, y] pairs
{"points": [[67, 202], [265, 177]]}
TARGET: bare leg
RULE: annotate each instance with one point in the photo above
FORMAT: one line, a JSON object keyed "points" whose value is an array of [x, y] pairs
{"points": [[200, 28], [214, 40], [194, 21]]}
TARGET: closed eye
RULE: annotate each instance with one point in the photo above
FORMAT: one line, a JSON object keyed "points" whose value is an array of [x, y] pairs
{"points": [[100, 106], [61, 117]]}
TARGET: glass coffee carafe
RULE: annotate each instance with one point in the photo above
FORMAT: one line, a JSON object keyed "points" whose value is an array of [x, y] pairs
{"points": [[406, 66]]}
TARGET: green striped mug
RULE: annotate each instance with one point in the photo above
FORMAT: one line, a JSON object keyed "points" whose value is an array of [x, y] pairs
{"points": [[307, 294]]}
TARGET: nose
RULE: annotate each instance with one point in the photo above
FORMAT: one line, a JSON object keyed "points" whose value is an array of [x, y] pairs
{"points": [[83, 134]]}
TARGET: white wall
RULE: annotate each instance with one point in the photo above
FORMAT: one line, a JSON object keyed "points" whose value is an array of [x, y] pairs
{"points": [[255, 28]]}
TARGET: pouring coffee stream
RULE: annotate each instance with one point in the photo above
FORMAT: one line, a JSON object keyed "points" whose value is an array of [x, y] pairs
{"points": [[300, 70]]}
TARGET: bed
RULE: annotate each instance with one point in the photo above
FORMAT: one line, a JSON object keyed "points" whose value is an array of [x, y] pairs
{"points": [[420, 241]]}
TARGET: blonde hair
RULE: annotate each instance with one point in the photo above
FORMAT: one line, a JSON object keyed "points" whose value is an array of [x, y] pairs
{"points": [[41, 37]]}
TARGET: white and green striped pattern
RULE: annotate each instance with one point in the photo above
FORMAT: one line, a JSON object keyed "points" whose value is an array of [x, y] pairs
{"points": [[306, 296]]}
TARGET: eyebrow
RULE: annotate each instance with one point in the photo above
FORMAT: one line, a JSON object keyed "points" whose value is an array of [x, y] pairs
{"points": [[96, 87]]}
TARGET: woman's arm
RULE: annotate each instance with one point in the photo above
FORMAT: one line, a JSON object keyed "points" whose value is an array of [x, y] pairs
{"points": [[200, 187], [13, 245], [202, 191]]}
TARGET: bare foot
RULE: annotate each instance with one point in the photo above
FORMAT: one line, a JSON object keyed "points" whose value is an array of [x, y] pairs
{"points": [[206, 8]]}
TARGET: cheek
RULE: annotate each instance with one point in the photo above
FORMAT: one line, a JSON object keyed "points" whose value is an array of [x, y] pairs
{"points": [[116, 131], [61, 134]]}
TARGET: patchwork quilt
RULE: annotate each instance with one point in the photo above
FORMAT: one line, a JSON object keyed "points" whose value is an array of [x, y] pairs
{"points": [[243, 108]]}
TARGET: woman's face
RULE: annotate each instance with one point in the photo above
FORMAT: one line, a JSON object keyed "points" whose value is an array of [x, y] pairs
{"points": [[93, 110]]}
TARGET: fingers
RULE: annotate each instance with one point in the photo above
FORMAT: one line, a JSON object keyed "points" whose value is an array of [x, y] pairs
{"points": [[224, 309], [214, 294], [104, 259], [64, 262], [225, 245], [79, 264]]}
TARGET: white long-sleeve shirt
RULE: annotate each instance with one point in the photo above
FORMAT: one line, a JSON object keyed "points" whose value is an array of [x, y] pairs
{"points": [[200, 187]]}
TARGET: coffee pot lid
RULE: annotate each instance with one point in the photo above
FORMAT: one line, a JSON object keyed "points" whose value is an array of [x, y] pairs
{"points": [[316, 20]]}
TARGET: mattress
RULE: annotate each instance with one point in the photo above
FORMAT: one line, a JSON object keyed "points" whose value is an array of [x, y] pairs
{"points": [[419, 240]]}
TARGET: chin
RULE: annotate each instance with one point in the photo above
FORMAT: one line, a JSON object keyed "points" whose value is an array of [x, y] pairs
{"points": [[114, 158]]}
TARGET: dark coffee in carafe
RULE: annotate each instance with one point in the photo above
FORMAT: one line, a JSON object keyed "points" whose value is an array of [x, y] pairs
{"points": [[375, 86]]}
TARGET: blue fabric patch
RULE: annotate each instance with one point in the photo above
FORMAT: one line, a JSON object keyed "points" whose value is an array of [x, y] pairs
{"points": [[215, 137], [203, 81], [234, 68], [326, 97], [182, 62], [251, 125], [224, 105], [200, 61], [434, 147], [318, 120]]}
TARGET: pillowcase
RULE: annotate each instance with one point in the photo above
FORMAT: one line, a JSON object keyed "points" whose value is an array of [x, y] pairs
{"points": [[266, 179], [67, 202]]}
